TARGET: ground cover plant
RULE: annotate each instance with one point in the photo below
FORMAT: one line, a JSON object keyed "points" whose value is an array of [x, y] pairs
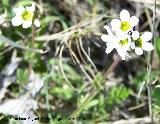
{"points": [[79, 61]]}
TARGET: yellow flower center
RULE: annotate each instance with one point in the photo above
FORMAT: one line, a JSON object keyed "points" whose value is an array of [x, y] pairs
{"points": [[138, 42], [123, 42], [26, 15], [125, 26]]}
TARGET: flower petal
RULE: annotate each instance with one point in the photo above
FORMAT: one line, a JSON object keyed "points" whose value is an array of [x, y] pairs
{"points": [[121, 34], [107, 38], [134, 21], [122, 56], [108, 29], [146, 36], [115, 24], [147, 46], [37, 23], [133, 45], [17, 20], [121, 53], [31, 8], [19, 10], [27, 24], [124, 15], [138, 51], [135, 35], [109, 49]]}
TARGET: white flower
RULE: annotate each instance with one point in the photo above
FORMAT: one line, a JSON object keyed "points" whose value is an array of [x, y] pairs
{"points": [[110, 39], [120, 43], [24, 16], [37, 23], [125, 23], [124, 45], [141, 42]]}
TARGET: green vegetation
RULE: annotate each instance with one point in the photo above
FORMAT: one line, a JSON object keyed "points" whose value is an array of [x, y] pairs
{"points": [[58, 70]]}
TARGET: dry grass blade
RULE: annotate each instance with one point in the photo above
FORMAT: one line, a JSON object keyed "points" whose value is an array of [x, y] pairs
{"points": [[76, 28], [14, 44], [146, 1], [80, 65], [89, 59], [61, 65], [79, 52]]}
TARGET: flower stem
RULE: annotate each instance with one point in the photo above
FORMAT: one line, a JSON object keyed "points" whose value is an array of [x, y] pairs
{"points": [[149, 88], [32, 46]]}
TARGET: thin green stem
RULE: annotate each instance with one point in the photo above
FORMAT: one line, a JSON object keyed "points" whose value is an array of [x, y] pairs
{"points": [[149, 89], [32, 45], [149, 61], [47, 102]]}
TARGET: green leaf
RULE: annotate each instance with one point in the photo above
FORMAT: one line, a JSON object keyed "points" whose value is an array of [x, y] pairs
{"points": [[24, 3], [117, 95], [65, 93], [14, 44], [5, 2], [157, 43], [70, 71], [96, 82], [22, 76], [92, 103], [49, 19], [91, 2], [52, 19], [156, 96]]}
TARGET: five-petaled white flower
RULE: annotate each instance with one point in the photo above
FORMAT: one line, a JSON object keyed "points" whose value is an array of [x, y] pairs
{"points": [[141, 42], [124, 45], [120, 43], [125, 23], [25, 16], [121, 33]]}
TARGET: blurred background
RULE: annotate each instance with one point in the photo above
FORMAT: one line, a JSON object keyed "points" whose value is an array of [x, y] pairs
{"points": [[62, 83]]}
